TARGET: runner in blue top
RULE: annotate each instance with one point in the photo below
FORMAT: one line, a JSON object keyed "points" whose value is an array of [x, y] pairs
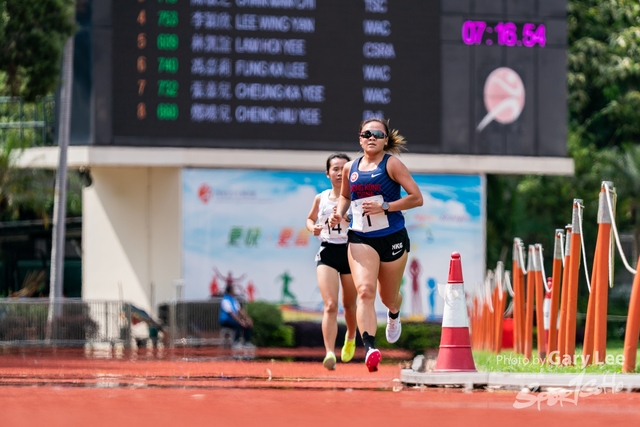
{"points": [[378, 241]]}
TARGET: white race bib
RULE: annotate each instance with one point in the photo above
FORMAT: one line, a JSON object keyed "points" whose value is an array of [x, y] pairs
{"points": [[333, 234], [366, 223]]}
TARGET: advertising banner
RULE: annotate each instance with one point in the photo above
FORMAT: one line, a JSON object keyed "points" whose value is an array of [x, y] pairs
{"points": [[247, 227]]}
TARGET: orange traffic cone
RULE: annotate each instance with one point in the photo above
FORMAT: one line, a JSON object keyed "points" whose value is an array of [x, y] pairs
{"points": [[455, 344]]}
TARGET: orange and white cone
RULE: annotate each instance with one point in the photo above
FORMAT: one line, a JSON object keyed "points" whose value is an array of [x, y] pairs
{"points": [[455, 343]]}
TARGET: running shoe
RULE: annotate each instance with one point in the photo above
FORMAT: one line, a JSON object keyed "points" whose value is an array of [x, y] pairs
{"points": [[329, 361], [372, 359], [394, 329], [348, 349]]}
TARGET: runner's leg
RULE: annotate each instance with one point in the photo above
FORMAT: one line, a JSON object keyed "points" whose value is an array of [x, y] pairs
{"points": [[329, 288]]}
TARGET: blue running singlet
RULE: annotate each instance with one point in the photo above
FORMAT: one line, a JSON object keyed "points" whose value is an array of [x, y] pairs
{"points": [[373, 183]]}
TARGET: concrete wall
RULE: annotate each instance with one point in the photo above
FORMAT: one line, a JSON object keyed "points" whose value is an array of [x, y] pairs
{"points": [[132, 234]]}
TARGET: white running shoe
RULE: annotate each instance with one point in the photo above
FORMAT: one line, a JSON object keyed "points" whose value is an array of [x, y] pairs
{"points": [[394, 329]]}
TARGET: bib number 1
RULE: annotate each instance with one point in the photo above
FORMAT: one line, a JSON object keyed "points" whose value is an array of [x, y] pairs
{"points": [[366, 223]]}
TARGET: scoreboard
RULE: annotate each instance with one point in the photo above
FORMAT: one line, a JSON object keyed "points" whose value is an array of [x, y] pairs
{"points": [[504, 77], [454, 76]]}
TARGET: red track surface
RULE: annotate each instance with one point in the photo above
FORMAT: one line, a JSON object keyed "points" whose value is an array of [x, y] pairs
{"points": [[195, 388]]}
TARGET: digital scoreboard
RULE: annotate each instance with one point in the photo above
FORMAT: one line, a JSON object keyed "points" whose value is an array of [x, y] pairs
{"points": [[296, 74], [454, 76]]}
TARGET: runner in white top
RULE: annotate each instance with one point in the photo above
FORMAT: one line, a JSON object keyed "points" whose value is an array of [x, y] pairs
{"points": [[338, 234], [333, 265]]}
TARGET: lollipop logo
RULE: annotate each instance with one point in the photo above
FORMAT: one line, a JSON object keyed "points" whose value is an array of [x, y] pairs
{"points": [[504, 97]]}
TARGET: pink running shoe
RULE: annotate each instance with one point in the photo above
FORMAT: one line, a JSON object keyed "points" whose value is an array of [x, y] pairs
{"points": [[372, 359]]}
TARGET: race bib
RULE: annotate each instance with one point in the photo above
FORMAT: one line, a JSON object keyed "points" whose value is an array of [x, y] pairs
{"points": [[366, 223], [329, 233]]}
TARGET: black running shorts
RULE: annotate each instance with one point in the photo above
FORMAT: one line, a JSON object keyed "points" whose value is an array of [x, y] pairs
{"points": [[335, 256], [389, 248]]}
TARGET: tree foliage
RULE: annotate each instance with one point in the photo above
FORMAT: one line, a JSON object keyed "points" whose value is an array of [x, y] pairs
{"points": [[32, 37], [21, 194], [604, 71]]}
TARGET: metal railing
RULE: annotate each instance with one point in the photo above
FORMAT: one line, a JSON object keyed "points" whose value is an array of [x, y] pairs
{"points": [[23, 322], [192, 323]]}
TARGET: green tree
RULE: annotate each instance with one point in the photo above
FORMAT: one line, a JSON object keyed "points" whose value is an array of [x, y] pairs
{"points": [[604, 71], [22, 195], [27, 193], [32, 37]]}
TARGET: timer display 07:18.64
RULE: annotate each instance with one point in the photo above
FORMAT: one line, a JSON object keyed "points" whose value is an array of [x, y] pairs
{"points": [[504, 33]]}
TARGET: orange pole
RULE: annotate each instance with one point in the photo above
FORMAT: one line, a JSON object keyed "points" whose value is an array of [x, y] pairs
{"points": [[515, 267], [528, 328], [572, 283], [562, 331], [477, 306], [494, 319], [481, 335], [523, 296], [483, 321], [487, 327], [501, 298], [478, 309], [587, 346], [633, 326], [541, 341], [602, 288], [519, 296], [552, 344], [473, 321]]}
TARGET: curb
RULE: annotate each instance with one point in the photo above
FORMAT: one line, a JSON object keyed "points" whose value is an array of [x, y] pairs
{"points": [[533, 382]]}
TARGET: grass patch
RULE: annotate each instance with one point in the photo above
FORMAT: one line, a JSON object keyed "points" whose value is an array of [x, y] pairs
{"points": [[508, 361]]}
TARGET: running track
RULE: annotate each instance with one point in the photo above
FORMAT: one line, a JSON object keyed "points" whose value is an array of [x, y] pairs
{"points": [[198, 389]]}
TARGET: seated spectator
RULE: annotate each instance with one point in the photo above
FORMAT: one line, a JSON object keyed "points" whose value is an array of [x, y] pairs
{"points": [[234, 317]]}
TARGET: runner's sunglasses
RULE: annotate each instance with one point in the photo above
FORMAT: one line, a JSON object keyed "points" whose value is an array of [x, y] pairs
{"points": [[369, 133]]}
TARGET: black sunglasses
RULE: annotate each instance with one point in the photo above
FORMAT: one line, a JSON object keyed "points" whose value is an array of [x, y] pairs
{"points": [[369, 133]]}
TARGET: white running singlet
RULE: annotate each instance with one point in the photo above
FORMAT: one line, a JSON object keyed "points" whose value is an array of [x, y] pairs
{"points": [[337, 234]]}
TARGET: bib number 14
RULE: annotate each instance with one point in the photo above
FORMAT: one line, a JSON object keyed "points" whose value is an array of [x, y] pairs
{"points": [[336, 228]]}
